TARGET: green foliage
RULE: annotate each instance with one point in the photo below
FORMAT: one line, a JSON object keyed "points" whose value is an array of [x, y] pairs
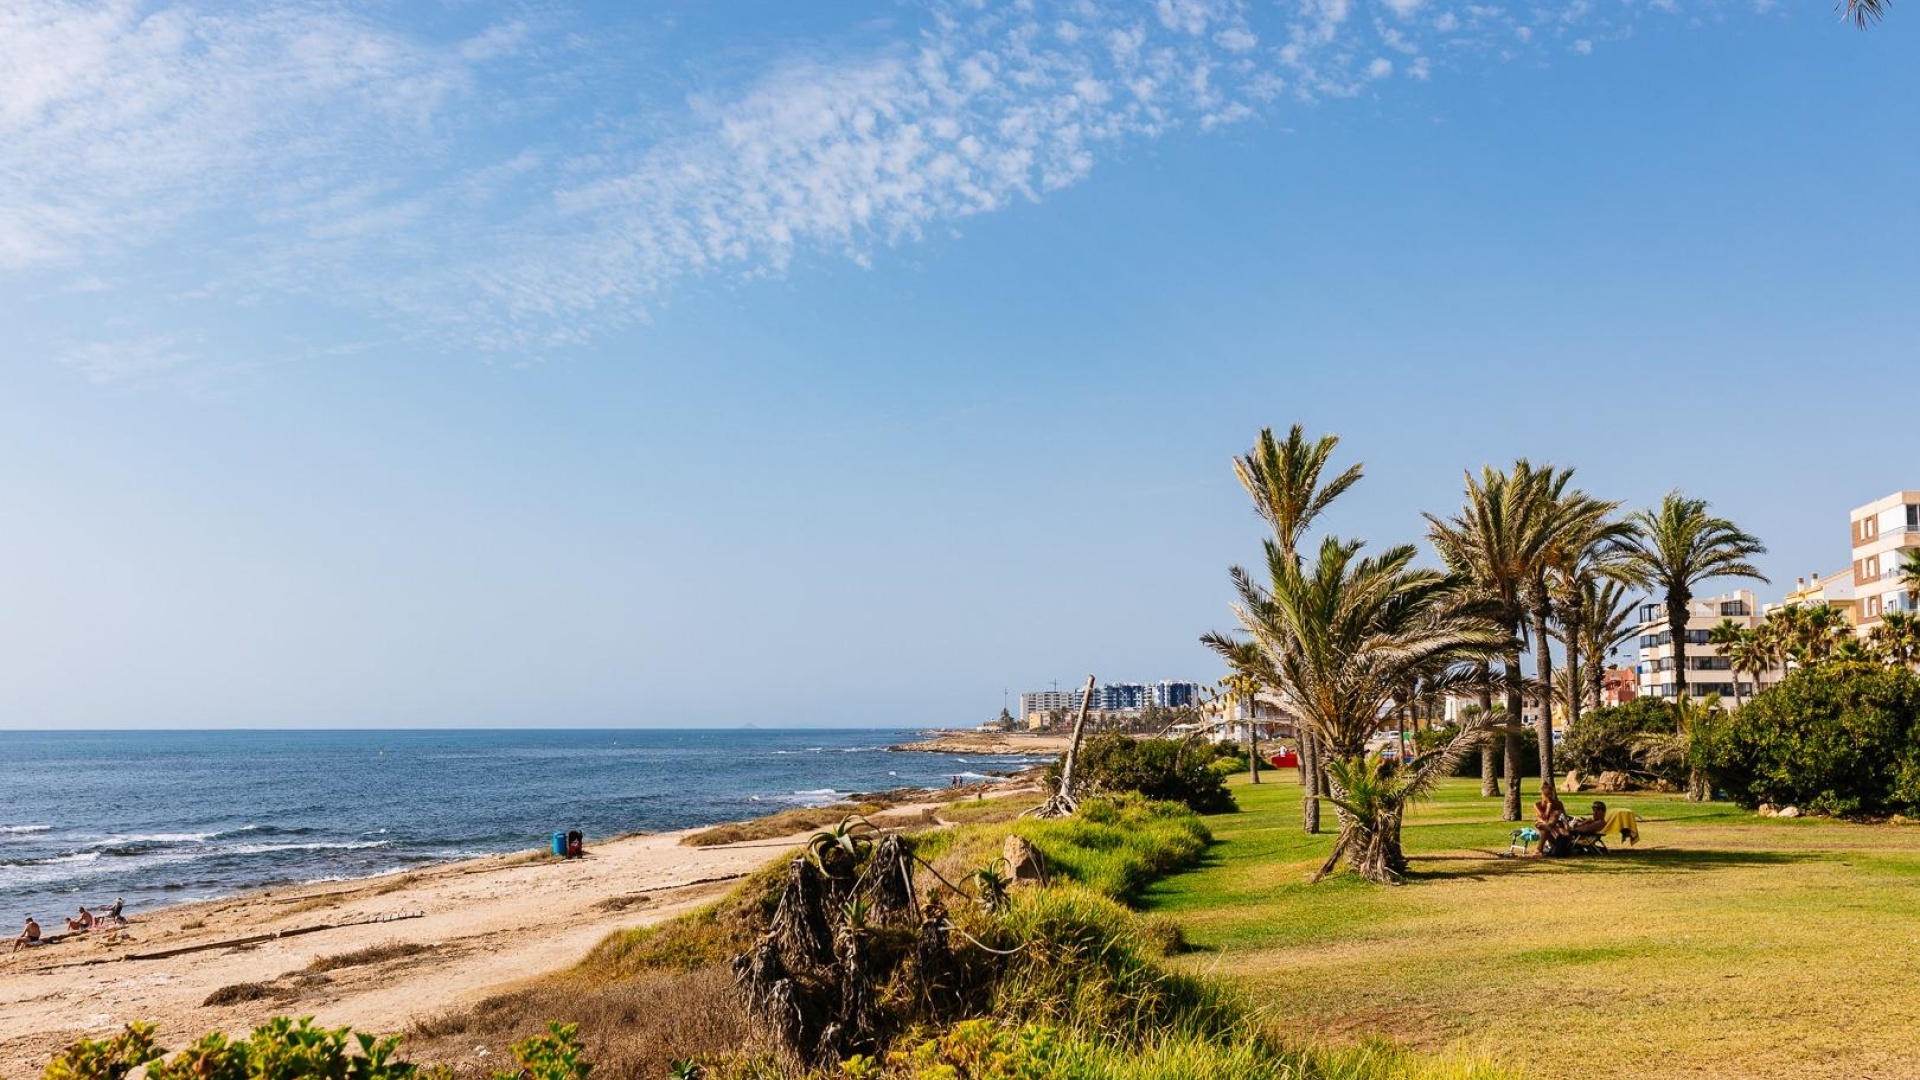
{"points": [[555, 1055], [105, 1059], [984, 1050], [287, 1049], [1842, 739], [1606, 739], [280, 1049], [1079, 960], [1173, 770]]}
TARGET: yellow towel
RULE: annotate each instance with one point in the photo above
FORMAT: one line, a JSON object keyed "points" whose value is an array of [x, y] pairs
{"points": [[1624, 822]]}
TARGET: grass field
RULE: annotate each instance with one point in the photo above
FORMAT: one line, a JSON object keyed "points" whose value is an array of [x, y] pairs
{"points": [[1725, 945]]}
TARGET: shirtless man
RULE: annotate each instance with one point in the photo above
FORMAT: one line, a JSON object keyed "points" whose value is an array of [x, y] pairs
{"points": [[1591, 826], [29, 936]]}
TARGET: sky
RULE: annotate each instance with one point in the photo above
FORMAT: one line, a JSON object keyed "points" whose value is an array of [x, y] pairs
{"points": [[686, 364]]}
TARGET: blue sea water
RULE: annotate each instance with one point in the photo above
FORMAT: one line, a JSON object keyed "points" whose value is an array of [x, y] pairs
{"points": [[166, 817]]}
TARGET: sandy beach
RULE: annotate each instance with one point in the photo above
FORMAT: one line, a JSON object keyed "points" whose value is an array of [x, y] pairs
{"points": [[461, 930]]}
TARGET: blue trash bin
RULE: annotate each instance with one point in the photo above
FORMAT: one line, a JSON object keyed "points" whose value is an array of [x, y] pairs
{"points": [[560, 844]]}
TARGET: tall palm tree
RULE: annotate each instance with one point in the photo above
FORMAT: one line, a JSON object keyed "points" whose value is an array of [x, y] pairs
{"points": [[1283, 478], [1737, 645], [1811, 634], [1600, 621], [1244, 685], [1495, 542], [1582, 543], [1677, 546], [1346, 634]]}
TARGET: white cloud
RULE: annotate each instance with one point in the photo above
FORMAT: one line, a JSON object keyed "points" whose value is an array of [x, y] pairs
{"points": [[499, 186], [1583, 47]]}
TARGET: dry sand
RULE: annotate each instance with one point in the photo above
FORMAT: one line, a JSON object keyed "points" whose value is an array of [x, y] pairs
{"points": [[484, 924]]}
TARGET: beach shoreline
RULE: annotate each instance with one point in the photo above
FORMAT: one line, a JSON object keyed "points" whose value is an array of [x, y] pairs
{"points": [[989, 743], [454, 933]]}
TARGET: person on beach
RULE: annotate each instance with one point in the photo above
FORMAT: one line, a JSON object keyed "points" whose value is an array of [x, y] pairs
{"points": [[28, 937], [83, 923], [113, 913], [1550, 819]]}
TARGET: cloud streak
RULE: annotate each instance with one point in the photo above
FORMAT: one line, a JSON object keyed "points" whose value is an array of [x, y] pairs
{"points": [[487, 187]]}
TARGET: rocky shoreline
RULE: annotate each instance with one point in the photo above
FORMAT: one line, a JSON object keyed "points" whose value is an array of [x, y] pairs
{"points": [[1001, 743]]}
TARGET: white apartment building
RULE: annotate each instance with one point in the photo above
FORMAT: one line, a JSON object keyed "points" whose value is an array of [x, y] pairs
{"points": [[1883, 531], [1708, 671]]}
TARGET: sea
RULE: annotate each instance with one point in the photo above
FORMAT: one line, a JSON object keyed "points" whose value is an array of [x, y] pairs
{"points": [[167, 817]]}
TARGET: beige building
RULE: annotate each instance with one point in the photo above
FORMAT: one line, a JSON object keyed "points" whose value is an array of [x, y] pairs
{"points": [[1883, 531], [1708, 671]]}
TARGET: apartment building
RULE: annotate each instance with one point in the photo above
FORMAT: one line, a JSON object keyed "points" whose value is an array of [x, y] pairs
{"points": [[1111, 698], [1883, 531], [1708, 671]]}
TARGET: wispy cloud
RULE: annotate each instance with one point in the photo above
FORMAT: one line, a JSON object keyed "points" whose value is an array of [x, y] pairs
{"points": [[495, 186]]}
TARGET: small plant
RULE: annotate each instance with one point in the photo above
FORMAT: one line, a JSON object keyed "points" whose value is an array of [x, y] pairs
{"points": [[860, 1067], [555, 1055], [686, 1070], [992, 883], [839, 849], [106, 1059]]}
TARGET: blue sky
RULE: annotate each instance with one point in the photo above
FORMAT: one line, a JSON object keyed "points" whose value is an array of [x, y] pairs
{"points": [[692, 363]]}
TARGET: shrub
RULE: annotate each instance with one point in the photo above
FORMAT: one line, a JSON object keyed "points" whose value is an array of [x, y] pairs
{"points": [[1173, 770], [1840, 739], [1115, 846], [1428, 740], [1608, 739]]}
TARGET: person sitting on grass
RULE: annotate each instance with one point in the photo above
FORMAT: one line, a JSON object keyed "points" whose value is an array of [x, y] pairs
{"points": [[28, 938]]}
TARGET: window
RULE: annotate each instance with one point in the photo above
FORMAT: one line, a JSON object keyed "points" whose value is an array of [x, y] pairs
{"points": [[1734, 607]]}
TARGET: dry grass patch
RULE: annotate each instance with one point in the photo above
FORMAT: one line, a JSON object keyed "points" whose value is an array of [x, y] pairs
{"points": [[372, 954], [633, 1029]]}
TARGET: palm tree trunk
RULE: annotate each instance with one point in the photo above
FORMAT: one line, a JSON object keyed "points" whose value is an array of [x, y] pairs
{"points": [[1543, 667], [1677, 629], [1489, 776], [1516, 705], [1310, 805], [1574, 677], [1253, 745], [1597, 679]]}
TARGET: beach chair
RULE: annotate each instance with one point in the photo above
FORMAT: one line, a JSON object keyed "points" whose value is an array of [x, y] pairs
{"points": [[1590, 844]]}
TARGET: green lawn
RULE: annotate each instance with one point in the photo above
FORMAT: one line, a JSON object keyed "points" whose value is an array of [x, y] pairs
{"points": [[1725, 945]]}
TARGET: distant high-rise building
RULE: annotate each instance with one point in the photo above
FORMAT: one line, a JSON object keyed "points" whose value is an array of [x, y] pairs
{"points": [[1708, 670], [1110, 698]]}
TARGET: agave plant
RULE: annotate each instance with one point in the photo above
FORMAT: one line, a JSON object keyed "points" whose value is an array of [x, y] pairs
{"points": [[993, 882], [839, 849]]}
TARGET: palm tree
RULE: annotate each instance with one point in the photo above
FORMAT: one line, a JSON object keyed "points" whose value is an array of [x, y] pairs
{"points": [[1864, 13], [1346, 635], [1601, 621], [1811, 634], [1897, 639], [1582, 545], [1732, 638], [1244, 686], [1495, 543], [1909, 574], [1284, 481], [1677, 546]]}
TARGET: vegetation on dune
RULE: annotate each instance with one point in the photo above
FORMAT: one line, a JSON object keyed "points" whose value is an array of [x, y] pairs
{"points": [[1192, 771], [782, 824]]}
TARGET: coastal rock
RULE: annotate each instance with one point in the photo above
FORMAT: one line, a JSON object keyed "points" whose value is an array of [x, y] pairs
{"points": [[1572, 783], [1612, 781], [1791, 811], [1767, 809], [1025, 864]]}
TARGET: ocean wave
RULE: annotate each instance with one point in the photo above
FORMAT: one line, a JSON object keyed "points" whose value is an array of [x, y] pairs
{"points": [[18, 830], [264, 849]]}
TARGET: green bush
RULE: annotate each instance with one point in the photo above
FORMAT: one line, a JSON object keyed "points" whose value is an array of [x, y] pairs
{"points": [[1173, 770], [285, 1049], [1839, 739], [1428, 740], [1116, 845], [1607, 740]]}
